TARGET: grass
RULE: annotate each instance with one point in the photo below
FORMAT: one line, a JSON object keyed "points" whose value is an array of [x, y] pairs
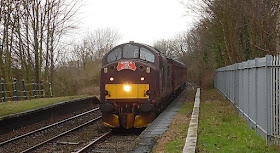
{"points": [[20, 106], [177, 144], [173, 139], [221, 129]]}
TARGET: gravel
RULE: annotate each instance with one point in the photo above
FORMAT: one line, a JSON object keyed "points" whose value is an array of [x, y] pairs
{"points": [[19, 145]]}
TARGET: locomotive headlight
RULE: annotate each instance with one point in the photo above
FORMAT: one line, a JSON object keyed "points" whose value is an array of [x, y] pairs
{"points": [[111, 79], [142, 78], [127, 88]]}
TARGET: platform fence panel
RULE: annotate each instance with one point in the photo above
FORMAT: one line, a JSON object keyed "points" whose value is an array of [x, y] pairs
{"points": [[254, 88], [21, 90]]}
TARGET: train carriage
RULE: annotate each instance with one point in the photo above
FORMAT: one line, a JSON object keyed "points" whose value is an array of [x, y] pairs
{"points": [[135, 81]]}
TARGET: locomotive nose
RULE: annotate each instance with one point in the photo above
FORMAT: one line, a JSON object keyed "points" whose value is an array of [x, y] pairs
{"points": [[127, 120], [107, 107], [127, 91], [126, 88]]}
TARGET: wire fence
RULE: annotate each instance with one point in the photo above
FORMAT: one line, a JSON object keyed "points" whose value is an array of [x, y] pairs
{"points": [[20, 90]]}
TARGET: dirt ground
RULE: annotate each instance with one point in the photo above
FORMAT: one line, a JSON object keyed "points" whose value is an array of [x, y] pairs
{"points": [[178, 128]]}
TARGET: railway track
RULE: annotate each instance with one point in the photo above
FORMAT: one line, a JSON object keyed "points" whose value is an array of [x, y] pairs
{"points": [[93, 142], [37, 138]]}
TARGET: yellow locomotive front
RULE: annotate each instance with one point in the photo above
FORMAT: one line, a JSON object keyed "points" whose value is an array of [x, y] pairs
{"points": [[128, 86]]}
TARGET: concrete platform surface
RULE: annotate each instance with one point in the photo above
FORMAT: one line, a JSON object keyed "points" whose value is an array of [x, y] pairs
{"points": [[151, 134]]}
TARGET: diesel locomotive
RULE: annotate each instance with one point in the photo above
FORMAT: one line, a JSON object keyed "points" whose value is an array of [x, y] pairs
{"points": [[136, 81]]}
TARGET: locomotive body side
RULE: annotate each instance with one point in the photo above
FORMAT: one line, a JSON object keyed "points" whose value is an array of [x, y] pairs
{"points": [[179, 75]]}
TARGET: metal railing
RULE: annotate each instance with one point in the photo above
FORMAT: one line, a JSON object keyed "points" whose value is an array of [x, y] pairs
{"points": [[11, 92], [254, 88]]}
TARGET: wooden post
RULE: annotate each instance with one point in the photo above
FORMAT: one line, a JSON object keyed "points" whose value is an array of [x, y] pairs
{"points": [[42, 89], [24, 90], [34, 89], [15, 90], [3, 90], [50, 87]]}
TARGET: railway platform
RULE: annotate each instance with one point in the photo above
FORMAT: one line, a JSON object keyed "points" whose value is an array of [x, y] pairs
{"points": [[221, 128], [151, 134], [15, 121]]}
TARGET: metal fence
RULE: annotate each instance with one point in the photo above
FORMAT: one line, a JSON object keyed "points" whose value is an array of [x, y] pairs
{"points": [[20, 90], [254, 88]]}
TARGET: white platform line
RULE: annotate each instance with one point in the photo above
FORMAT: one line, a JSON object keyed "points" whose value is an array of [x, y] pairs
{"points": [[191, 139]]}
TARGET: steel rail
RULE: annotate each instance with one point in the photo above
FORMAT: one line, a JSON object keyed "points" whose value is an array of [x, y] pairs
{"points": [[48, 126], [93, 142], [62, 134]]}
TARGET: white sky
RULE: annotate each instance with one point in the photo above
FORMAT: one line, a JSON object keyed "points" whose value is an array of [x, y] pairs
{"points": [[143, 21]]}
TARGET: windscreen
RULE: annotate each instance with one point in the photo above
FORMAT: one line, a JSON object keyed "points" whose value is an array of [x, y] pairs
{"points": [[130, 51], [114, 55], [146, 55]]}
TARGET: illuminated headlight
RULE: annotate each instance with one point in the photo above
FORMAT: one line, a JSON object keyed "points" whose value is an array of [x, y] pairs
{"points": [[111, 79], [142, 78], [126, 88]]}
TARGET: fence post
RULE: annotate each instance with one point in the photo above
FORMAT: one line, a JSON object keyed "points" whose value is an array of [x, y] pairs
{"points": [[268, 88], [24, 89], [50, 87], [15, 90], [34, 89], [42, 89], [3, 90]]}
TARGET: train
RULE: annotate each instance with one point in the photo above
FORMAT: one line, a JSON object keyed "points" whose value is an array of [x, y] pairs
{"points": [[136, 83]]}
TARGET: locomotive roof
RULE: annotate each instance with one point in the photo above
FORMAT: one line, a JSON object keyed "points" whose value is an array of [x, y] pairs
{"points": [[179, 63], [138, 44], [154, 50]]}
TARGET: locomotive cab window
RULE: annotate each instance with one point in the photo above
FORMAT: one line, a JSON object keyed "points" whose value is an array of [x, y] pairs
{"points": [[114, 55], [130, 51], [146, 55]]}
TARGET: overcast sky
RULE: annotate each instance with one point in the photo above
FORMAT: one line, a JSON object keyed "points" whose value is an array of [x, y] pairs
{"points": [[143, 21]]}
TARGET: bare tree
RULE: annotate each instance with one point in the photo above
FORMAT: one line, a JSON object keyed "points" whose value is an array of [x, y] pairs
{"points": [[173, 48], [102, 40], [30, 36], [95, 45], [59, 15], [7, 37], [165, 46], [83, 65], [277, 6], [180, 45]]}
